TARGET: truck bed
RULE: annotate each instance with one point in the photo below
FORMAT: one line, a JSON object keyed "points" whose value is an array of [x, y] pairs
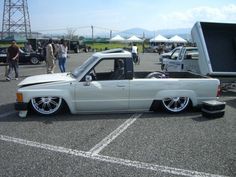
{"points": [[158, 74]]}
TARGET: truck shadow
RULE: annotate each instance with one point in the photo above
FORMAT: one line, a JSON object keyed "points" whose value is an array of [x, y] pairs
{"points": [[232, 103], [229, 93], [7, 114]]}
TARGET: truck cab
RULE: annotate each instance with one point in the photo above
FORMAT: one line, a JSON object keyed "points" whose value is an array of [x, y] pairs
{"points": [[185, 59]]}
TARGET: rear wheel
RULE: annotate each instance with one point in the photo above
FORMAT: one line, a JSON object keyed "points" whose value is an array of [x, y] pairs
{"points": [[46, 105], [34, 60], [175, 104]]}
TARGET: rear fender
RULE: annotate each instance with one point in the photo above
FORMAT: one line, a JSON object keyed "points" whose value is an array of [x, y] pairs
{"points": [[177, 93]]}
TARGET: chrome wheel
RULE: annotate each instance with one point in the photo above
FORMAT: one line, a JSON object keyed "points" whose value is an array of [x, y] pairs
{"points": [[46, 105], [34, 60], [175, 104]]}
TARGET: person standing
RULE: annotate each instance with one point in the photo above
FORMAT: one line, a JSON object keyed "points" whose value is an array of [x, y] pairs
{"points": [[50, 58], [12, 59], [62, 55], [134, 52]]}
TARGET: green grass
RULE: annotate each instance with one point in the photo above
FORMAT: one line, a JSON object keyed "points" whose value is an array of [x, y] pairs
{"points": [[103, 46]]}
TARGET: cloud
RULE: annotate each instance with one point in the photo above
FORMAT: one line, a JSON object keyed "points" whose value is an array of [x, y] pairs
{"points": [[211, 14]]}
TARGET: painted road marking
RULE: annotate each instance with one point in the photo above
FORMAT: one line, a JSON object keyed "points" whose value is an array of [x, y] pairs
{"points": [[113, 160], [7, 114], [113, 135]]}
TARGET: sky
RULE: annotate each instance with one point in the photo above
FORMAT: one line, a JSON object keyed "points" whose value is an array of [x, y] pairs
{"points": [[58, 16]]}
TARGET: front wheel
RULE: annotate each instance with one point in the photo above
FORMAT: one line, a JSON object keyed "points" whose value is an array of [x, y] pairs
{"points": [[46, 105], [162, 67], [175, 104]]}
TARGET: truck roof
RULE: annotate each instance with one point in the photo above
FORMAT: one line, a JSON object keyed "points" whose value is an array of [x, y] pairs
{"points": [[113, 53]]}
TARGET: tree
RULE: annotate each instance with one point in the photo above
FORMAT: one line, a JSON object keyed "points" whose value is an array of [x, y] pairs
{"points": [[71, 33]]}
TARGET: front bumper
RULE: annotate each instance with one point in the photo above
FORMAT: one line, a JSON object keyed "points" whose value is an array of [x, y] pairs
{"points": [[20, 106]]}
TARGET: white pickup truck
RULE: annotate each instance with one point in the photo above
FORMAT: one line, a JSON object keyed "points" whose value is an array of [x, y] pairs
{"points": [[214, 56], [106, 82], [182, 59]]}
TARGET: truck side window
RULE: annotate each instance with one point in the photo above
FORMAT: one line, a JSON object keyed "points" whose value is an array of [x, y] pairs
{"points": [[108, 69], [175, 55], [191, 55]]}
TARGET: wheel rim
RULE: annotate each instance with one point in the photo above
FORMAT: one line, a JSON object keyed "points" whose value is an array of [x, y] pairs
{"points": [[34, 60], [46, 105], [175, 104]]}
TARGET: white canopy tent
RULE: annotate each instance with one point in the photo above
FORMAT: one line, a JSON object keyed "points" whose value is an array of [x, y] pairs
{"points": [[117, 38], [134, 39], [159, 38], [177, 39]]}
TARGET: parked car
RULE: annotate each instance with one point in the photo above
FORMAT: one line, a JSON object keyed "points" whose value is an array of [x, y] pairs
{"points": [[186, 59], [106, 82], [175, 52], [24, 57]]}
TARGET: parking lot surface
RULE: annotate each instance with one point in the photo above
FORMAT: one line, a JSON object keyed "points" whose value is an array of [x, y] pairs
{"points": [[136, 144]]}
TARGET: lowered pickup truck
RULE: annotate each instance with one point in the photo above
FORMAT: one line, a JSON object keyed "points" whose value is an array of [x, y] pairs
{"points": [[106, 82]]}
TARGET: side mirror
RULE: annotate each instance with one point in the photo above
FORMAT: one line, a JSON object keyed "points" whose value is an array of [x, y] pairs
{"points": [[88, 79]]}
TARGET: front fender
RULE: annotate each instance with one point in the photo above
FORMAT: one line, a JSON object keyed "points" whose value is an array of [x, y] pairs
{"points": [[65, 95]]}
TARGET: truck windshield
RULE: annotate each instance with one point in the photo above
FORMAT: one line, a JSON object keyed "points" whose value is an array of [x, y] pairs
{"points": [[79, 70]]}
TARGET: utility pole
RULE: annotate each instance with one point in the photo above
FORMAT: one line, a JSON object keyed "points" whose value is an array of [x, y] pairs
{"points": [[143, 41], [110, 34], [92, 32], [16, 18]]}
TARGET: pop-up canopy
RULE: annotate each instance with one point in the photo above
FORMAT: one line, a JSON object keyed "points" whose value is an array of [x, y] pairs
{"points": [[177, 39], [117, 38], [159, 38], [134, 39]]}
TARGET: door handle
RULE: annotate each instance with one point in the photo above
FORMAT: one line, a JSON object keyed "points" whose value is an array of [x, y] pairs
{"points": [[120, 85]]}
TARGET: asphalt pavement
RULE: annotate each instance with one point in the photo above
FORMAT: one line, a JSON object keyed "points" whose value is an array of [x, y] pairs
{"points": [[140, 144]]}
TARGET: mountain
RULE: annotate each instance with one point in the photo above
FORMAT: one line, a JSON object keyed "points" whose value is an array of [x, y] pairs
{"points": [[139, 32], [183, 32]]}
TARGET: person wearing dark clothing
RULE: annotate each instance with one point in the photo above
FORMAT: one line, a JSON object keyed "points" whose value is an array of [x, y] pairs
{"points": [[12, 59]]}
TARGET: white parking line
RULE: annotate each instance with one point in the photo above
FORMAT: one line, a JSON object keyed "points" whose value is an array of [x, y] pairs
{"points": [[102, 144], [7, 114], [113, 160]]}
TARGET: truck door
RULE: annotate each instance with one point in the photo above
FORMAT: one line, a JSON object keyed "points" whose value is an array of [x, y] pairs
{"points": [[107, 91], [174, 63], [190, 61]]}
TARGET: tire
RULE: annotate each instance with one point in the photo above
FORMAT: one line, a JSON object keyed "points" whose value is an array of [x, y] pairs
{"points": [[176, 104], [162, 67], [138, 60], [46, 105], [76, 50], [34, 60]]}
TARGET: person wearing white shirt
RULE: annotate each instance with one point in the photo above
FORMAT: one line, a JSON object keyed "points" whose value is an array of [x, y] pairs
{"points": [[134, 52], [62, 55]]}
